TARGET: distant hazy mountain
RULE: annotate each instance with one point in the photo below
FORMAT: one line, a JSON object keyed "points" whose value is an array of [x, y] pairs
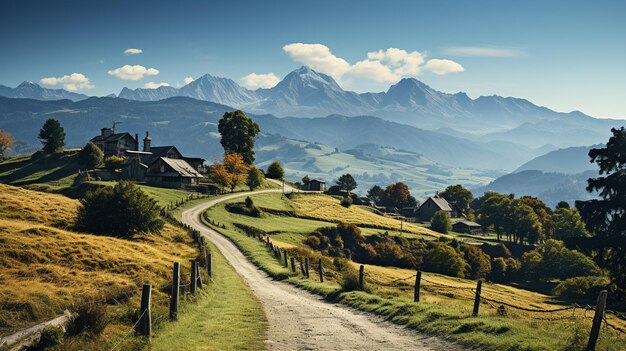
{"points": [[30, 90], [192, 124], [571, 160], [549, 187]]}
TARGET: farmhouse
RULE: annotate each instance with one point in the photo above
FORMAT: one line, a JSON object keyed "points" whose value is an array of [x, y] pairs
{"points": [[115, 144], [315, 185], [434, 204], [172, 173], [465, 226]]}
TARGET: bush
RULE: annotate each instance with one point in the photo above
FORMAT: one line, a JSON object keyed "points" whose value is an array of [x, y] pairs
{"points": [[275, 171], [479, 262], [346, 201], [247, 208], [441, 222], [552, 259], [50, 337], [92, 317], [581, 287], [90, 156], [445, 260], [349, 275], [498, 270], [113, 162], [122, 210], [313, 241]]}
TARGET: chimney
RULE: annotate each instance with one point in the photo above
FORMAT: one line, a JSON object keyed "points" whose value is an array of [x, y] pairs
{"points": [[137, 140], [146, 143], [106, 132]]}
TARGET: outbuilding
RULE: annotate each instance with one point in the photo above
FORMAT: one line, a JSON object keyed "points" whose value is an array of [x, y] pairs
{"points": [[465, 226]]}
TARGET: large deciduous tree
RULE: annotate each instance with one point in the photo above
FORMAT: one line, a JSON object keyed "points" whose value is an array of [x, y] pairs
{"points": [[567, 223], [346, 182], [238, 134], [52, 136], [397, 195], [459, 196], [275, 171], [6, 141], [236, 167], [375, 194], [606, 217]]}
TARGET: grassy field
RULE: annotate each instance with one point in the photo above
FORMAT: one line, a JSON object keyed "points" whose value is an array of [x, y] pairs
{"points": [[51, 173], [446, 302]]}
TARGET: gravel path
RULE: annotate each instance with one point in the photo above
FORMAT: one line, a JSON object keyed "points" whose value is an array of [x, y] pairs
{"points": [[299, 320]]}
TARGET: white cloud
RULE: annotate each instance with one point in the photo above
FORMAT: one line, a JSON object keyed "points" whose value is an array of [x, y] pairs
{"points": [[483, 51], [153, 85], [72, 82], [318, 57], [402, 62], [374, 70], [132, 51], [255, 81], [187, 80], [136, 72], [441, 67]]}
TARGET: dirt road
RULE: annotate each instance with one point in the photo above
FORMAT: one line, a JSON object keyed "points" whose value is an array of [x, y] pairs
{"points": [[299, 320]]}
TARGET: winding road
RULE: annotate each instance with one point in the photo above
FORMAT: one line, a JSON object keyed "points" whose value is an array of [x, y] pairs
{"points": [[299, 320]]}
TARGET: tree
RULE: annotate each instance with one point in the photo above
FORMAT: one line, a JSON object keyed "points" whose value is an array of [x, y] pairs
{"points": [[90, 156], [238, 134], [306, 180], [375, 194], [255, 178], [441, 222], [6, 141], [459, 196], [219, 175], [495, 209], [397, 195], [567, 223], [479, 262], [122, 210], [563, 204], [527, 224], [275, 170], [552, 259], [52, 136], [238, 169], [444, 259], [606, 217], [347, 182]]}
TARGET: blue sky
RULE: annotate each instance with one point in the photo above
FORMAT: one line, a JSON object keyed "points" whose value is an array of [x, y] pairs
{"points": [[567, 55]]}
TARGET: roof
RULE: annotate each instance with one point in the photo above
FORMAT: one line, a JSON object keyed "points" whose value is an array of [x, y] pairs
{"points": [[317, 180], [181, 167], [467, 223], [440, 202], [162, 150], [112, 137]]}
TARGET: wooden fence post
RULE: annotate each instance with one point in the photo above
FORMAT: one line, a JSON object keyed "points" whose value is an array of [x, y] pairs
{"points": [[293, 264], [198, 278], [361, 277], [175, 292], [209, 263], [597, 321], [418, 282], [145, 322], [479, 286], [302, 269], [285, 256], [321, 271], [306, 266], [193, 280]]}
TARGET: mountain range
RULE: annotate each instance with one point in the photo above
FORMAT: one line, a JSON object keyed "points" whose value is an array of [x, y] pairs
{"points": [[30, 90]]}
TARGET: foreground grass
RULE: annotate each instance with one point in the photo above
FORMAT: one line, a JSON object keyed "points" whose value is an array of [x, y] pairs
{"points": [[443, 311], [226, 316]]}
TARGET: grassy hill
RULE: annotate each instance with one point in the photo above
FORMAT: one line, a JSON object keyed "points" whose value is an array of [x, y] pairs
{"points": [[446, 302]]}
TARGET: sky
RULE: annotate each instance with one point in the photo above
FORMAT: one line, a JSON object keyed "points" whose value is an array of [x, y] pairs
{"points": [[565, 55]]}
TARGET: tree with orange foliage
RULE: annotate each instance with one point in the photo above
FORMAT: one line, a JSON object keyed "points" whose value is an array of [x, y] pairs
{"points": [[219, 175], [6, 141], [236, 167]]}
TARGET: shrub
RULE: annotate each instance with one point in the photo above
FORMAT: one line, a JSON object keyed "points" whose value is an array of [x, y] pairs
{"points": [[552, 259], [479, 262], [92, 317], [50, 337], [581, 287], [498, 270], [246, 209], [313, 241], [441, 222], [255, 178], [349, 275], [122, 210], [346, 201], [90, 156], [275, 171], [445, 260], [113, 162]]}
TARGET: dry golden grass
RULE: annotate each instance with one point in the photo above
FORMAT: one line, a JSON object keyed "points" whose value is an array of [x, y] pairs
{"points": [[327, 208], [46, 269]]}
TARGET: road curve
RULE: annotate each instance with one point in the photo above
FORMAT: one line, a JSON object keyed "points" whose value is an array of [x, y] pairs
{"points": [[299, 320]]}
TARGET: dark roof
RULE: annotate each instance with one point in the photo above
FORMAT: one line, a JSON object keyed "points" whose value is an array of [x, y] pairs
{"points": [[112, 137], [180, 167], [317, 180], [440, 202], [467, 223]]}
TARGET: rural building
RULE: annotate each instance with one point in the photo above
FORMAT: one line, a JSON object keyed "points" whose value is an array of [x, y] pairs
{"points": [[434, 204], [465, 226], [115, 144], [172, 173], [409, 212], [315, 185]]}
